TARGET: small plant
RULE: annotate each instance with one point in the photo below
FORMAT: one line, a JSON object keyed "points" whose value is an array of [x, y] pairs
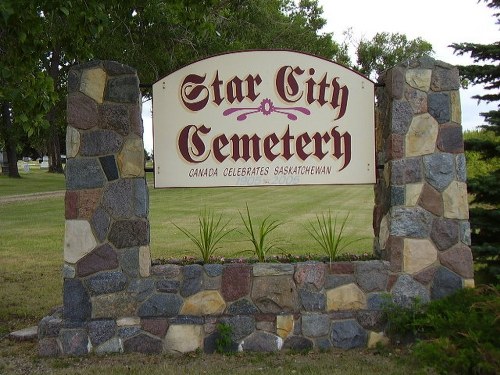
{"points": [[210, 232], [331, 239], [224, 343], [259, 237]]}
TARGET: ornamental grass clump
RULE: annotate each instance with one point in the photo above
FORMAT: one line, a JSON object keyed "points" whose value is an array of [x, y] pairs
{"points": [[210, 232], [331, 238], [259, 236]]}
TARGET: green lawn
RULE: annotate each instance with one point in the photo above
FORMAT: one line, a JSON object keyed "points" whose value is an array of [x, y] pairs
{"points": [[34, 181]]}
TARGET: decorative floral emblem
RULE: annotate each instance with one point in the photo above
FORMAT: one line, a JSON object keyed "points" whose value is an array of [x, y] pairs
{"points": [[266, 107]]}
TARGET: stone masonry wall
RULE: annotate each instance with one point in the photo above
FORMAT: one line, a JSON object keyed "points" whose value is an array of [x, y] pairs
{"points": [[115, 301]]}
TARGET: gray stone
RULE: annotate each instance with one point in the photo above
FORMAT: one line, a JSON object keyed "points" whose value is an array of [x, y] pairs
{"points": [[68, 272], [413, 222], [114, 68], [372, 320], [142, 288], [212, 283], [123, 89], [402, 114], [126, 332], [74, 341], [169, 271], [49, 326], [376, 301], [74, 80], [445, 78], [213, 269], [348, 334], [397, 195], [311, 300], [101, 331], [406, 171], [461, 168], [315, 325], [298, 343], [99, 143], [108, 164], [241, 326], [116, 117], [143, 343], [372, 275], [100, 224], [106, 282], [129, 261], [25, 334], [117, 199], [465, 232], [310, 275], [48, 347], [439, 106], [406, 291], [140, 197], [84, 174], [165, 304], [272, 269], [77, 305], [129, 233], [192, 279], [439, 170], [168, 286], [323, 343], [100, 259], [334, 281], [445, 283], [260, 341], [187, 320], [114, 345], [444, 233], [242, 307]]}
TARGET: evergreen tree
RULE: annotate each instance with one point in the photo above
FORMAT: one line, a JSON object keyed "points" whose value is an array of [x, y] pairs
{"points": [[485, 214]]}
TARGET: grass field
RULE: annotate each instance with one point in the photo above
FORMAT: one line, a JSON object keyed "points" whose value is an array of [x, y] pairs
{"points": [[31, 240]]}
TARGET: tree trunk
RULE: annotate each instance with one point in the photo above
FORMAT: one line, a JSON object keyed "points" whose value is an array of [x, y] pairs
{"points": [[10, 141], [53, 144]]}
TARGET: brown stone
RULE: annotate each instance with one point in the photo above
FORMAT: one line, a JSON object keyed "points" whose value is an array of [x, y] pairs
{"points": [[71, 205], [459, 260], [445, 233], [417, 100], [340, 268], [310, 273], [450, 138], [425, 276], [113, 305], [431, 200], [394, 251], [275, 294], [136, 121], [395, 147], [82, 111], [155, 326], [88, 201], [236, 279], [100, 259]]}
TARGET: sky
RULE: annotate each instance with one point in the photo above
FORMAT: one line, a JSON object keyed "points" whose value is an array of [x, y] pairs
{"points": [[440, 22]]}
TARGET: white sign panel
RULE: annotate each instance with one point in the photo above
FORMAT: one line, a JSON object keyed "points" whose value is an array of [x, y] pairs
{"points": [[263, 118]]}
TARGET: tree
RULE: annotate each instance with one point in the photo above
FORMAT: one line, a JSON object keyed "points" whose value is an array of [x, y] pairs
{"points": [[385, 50], [485, 215]]}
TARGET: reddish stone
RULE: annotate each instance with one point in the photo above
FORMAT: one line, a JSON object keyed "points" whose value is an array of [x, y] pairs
{"points": [[310, 273], [155, 326], [71, 205], [391, 281], [82, 112], [445, 233], [236, 280], [425, 277], [394, 253], [136, 121], [459, 260], [395, 147], [431, 200], [88, 201], [340, 268], [450, 139], [100, 259]]}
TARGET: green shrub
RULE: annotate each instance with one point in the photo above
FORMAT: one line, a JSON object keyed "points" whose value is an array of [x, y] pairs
{"points": [[458, 334]]}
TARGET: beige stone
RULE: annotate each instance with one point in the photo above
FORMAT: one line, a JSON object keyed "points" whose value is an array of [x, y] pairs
{"points": [[422, 135], [375, 338], [456, 205], [412, 193], [206, 302], [284, 325], [72, 142], [78, 240], [456, 110], [418, 254], [345, 297], [131, 158], [384, 231], [419, 78], [128, 321], [144, 261], [92, 84], [469, 283], [183, 338]]}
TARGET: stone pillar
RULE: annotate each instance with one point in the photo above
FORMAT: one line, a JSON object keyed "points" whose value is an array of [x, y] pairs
{"points": [[421, 209], [106, 244]]}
